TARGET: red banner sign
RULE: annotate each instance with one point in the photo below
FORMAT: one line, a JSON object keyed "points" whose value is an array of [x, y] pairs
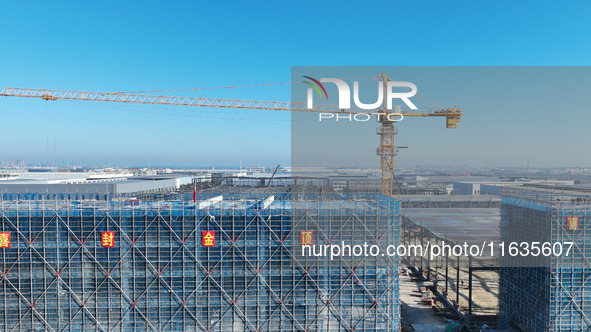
{"points": [[208, 238], [306, 238], [572, 223], [4, 240], [108, 239]]}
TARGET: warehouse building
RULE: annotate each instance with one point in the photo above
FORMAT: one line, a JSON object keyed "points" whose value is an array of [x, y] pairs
{"points": [[53, 186]]}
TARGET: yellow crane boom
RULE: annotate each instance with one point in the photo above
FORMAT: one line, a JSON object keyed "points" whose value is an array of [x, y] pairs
{"points": [[387, 149], [451, 114]]}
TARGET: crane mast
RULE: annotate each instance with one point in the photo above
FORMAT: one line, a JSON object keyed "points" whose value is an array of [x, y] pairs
{"points": [[386, 150], [387, 131]]}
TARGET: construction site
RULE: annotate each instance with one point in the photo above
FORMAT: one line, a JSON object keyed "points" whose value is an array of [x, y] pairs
{"points": [[57, 276], [131, 253]]}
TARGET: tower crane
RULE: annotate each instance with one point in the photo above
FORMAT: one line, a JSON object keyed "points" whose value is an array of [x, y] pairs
{"points": [[387, 150]]}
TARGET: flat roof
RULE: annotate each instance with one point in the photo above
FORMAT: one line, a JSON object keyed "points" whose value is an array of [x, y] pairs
{"points": [[446, 198], [470, 225]]}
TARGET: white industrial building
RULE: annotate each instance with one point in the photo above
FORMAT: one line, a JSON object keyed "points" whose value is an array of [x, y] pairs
{"points": [[493, 187], [52, 185]]}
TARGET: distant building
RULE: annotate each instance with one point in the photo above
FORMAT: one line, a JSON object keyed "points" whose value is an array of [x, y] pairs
{"points": [[81, 186], [494, 187], [469, 188], [354, 181], [142, 171], [18, 163]]}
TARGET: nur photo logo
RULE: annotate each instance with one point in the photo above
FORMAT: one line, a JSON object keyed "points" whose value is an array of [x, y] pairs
{"points": [[344, 100]]}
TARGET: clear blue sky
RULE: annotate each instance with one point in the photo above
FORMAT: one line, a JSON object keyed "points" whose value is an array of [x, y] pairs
{"points": [[148, 45]]}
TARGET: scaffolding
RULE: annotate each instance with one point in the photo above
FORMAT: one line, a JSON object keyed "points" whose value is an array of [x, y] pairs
{"points": [[546, 294], [159, 276]]}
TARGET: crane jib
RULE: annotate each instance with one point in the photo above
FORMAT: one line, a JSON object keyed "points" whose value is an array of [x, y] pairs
{"points": [[387, 150], [54, 95]]}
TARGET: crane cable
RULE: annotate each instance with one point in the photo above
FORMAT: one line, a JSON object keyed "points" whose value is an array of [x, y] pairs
{"points": [[224, 87], [198, 116], [229, 87], [183, 115]]}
